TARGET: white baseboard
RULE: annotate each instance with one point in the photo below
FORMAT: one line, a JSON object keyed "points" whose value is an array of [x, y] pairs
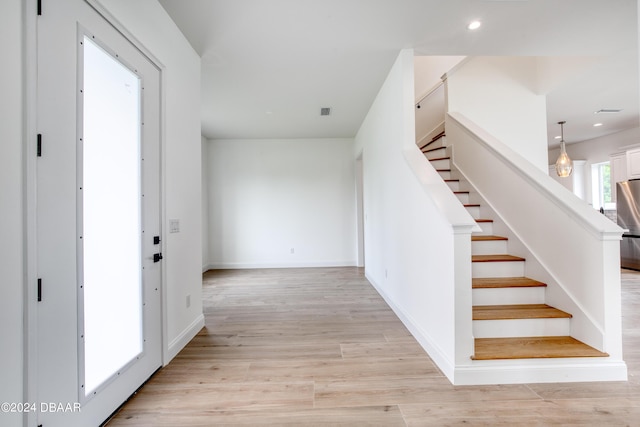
{"points": [[302, 264], [541, 371], [183, 339], [433, 350]]}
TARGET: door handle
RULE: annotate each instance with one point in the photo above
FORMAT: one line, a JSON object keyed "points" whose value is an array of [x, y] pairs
{"points": [[157, 257]]}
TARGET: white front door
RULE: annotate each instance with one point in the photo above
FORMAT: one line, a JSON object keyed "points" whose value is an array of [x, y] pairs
{"points": [[98, 217]]}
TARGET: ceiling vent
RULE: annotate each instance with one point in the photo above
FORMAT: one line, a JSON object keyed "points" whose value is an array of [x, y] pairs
{"points": [[609, 110], [325, 111]]}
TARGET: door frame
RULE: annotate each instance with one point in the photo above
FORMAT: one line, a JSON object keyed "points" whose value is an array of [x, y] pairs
{"points": [[30, 303]]}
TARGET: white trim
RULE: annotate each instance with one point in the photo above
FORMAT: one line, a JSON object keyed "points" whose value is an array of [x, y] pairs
{"points": [[455, 68], [183, 339], [439, 192], [436, 354], [434, 88], [112, 20], [591, 220], [431, 134], [308, 264], [30, 327], [529, 371]]}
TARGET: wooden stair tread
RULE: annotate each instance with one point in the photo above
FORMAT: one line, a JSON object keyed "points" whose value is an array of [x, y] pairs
{"points": [[440, 158], [443, 170], [487, 238], [451, 180], [434, 139], [472, 205], [518, 311], [505, 282], [495, 258], [433, 149], [484, 220], [460, 192], [532, 348]]}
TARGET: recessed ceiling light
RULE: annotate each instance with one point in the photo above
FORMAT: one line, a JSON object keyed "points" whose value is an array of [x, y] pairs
{"points": [[595, 125], [474, 25]]}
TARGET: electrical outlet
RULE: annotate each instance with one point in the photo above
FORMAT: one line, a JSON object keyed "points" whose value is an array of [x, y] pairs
{"points": [[174, 226], [293, 251]]}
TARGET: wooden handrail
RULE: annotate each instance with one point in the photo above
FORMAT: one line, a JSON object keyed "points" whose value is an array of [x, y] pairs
{"points": [[429, 92]]}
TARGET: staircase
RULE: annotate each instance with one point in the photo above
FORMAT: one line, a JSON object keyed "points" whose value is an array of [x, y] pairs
{"points": [[510, 317]]}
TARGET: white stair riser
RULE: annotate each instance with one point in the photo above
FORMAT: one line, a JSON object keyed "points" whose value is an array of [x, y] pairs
{"points": [[435, 154], [489, 247], [445, 175], [441, 164], [521, 328], [454, 185], [487, 229], [441, 142], [463, 197], [509, 296], [497, 269], [474, 211]]}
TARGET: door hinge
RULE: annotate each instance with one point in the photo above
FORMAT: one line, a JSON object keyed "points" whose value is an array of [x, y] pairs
{"points": [[39, 7], [156, 240], [39, 145], [157, 257], [39, 289]]}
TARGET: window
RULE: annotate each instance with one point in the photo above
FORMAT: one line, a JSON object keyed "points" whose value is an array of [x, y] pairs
{"points": [[111, 208], [601, 186]]}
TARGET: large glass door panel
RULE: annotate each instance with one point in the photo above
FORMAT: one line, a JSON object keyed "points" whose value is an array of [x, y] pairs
{"points": [[111, 278]]}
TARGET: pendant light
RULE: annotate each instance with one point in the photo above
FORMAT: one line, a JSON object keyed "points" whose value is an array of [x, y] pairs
{"points": [[564, 165]]}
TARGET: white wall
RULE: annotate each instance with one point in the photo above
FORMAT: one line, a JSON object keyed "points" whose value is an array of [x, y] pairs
{"points": [[205, 203], [428, 71], [409, 243], [517, 115], [597, 150], [267, 197], [11, 208], [150, 24]]}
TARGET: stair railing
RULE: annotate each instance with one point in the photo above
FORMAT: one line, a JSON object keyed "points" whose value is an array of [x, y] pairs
{"points": [[430, 111]]}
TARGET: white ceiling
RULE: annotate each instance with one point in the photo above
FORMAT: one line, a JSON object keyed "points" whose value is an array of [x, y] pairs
{"points": [[268, 66]]}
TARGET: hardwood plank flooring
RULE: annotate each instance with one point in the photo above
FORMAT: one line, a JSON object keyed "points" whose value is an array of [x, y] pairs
{"points": [[307, 347]]}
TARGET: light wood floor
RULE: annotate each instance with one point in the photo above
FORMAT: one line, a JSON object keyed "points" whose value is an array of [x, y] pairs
{"points": [[320, 347]]}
